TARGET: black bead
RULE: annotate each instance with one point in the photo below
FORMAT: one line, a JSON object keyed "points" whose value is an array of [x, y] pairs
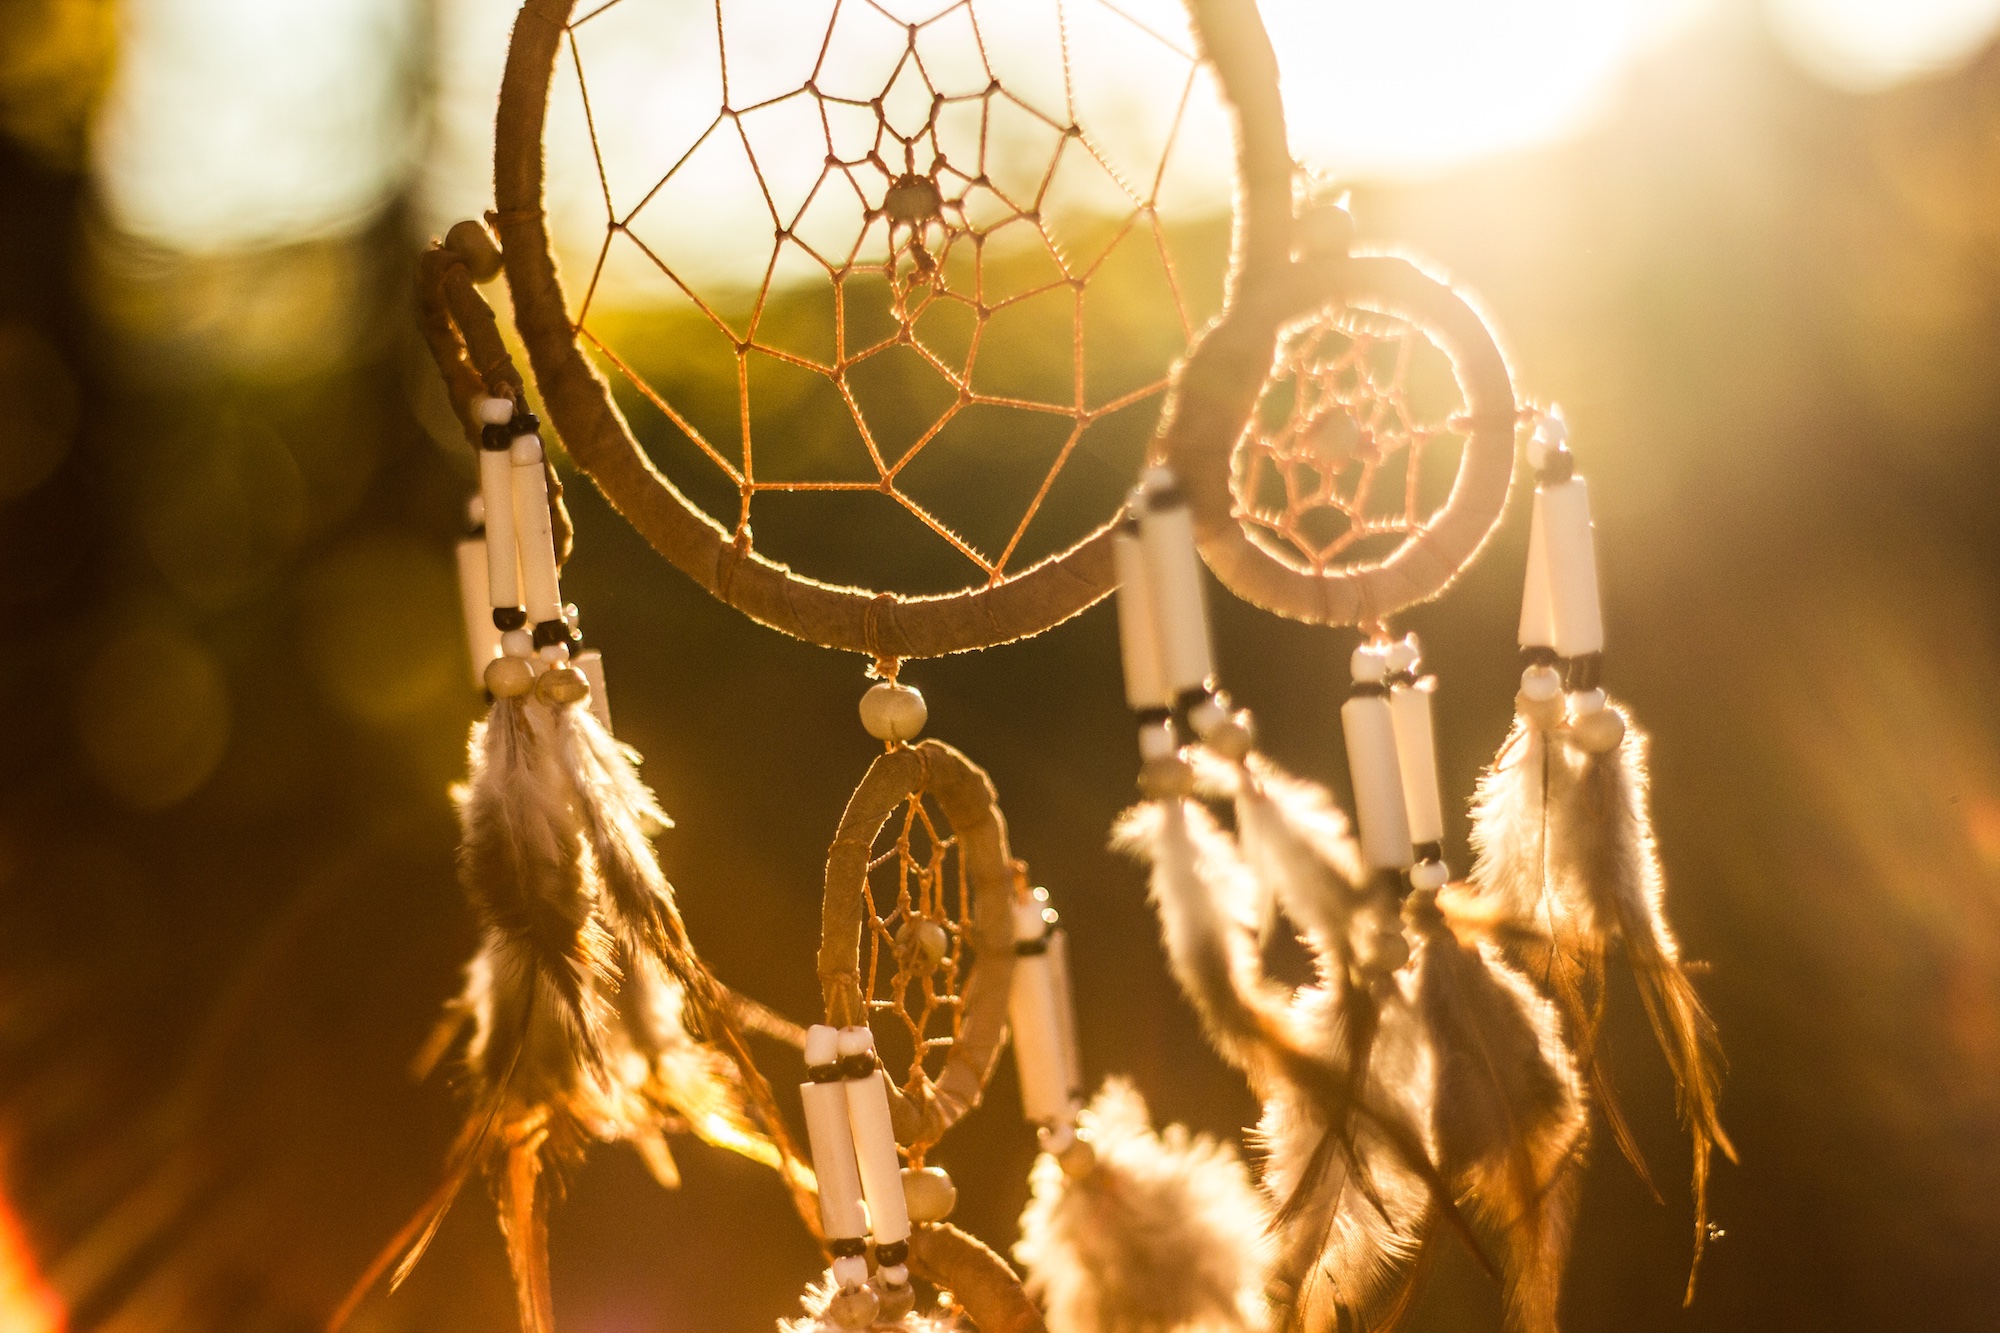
{"points": [[495, 439], [1561, 466], [1539, 657], [1167, 495], [847, 1247], [857, 1066], [508, 617], [897, 1252], [524, 423], [1430, 851], [1368, 689], [826, 1073], [1583, 672], [550, 632]]}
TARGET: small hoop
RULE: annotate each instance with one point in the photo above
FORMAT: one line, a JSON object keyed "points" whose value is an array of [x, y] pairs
{"points": [[1436, 552], [924, 1107]]}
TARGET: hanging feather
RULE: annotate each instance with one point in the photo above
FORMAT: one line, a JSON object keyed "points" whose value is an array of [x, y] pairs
{"points": [[1602, 846], [1152, 1233], [591, 1016], [1567, 866], [1542, 919], [1509, 1112], [1350, 1208]]}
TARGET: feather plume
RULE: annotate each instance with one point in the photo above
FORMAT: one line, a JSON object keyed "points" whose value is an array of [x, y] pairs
{"points": [[1160, 1234], [591, 1016], [1603, 846], [1349, 1206], [1521, 898], [1509, 1112], [1352, 1216]]}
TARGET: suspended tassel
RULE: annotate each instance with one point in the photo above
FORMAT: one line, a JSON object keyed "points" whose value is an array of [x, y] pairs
{"points": [[829, 1308], [1509, 1113], [1349, 1207], [1603, 852], [1143, 1232]]}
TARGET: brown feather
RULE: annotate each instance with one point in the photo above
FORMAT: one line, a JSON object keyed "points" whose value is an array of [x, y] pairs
{"points": [[1608, 849]]}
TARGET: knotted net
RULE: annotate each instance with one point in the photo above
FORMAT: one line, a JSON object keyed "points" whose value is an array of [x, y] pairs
{"points": [[1355, 443], [896, 281]]}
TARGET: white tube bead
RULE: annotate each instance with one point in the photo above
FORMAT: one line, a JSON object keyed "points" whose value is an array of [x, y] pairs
{"points": [[1376, 771], [832, 1139], [1538, 626], [1574, 612], [591, 663], [1032, 1005], [541, 586], [482, 639], [1416, 753], [1173, 569], [875, 1144], [496, 492], [1058, 956], [1138, 633]]}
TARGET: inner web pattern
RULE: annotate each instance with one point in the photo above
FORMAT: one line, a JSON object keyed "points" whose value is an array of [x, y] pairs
{"points": [[939, 245], [1356, 439]]}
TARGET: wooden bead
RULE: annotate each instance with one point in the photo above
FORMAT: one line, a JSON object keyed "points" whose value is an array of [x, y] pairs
{"points": [[921, 946], [894, 1300], [929, 1193], [1598, 733], [1167, 778], [509, 677], [471, 242], [855, 1308], [561, 685], [892, 712]]}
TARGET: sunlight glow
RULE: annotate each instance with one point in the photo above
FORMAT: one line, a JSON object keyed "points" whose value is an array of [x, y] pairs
{"points": [[1869, 44]]}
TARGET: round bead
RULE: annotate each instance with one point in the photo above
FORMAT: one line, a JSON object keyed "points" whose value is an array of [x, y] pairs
{"points": [[851, 1271], [1431, 875], [475, 511], [474, 244], [894, 1299], [1166, 779], [509, 677], [526, 449], [1078, 1159], [892, 712], [553, 653], [1403, 654], [922, 944], [928, 1193], [509, 617], [1585, 702], [1158, 741], [855, 1307], [1210, 712], [517, 643], [562, 685], [1369, 665], [1234, 737], [1325, 231], [1598, 733], [1541, 683], [1539, 713], [1383, 950], [493, 411]]}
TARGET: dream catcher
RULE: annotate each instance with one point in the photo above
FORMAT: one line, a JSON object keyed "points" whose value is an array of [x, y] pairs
{"points": [[896, 257]]}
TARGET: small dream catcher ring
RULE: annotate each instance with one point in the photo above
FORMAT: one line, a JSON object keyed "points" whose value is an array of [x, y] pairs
{"points": [[921, 932], [1292, 513]]}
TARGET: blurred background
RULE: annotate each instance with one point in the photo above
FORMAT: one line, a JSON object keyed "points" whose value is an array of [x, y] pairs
{"points": [[1752, 246]]}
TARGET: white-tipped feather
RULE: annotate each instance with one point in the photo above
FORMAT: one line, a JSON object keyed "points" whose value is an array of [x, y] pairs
{"points": [[1510, 833], [1302, 848], [1206, 900], [1162, 1234]]}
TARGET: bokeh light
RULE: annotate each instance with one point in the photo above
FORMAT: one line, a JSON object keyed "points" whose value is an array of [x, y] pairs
{"points": [[1869, 44]]}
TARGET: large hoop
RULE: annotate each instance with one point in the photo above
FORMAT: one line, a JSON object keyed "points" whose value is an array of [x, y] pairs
{"points": [[1213, 394], [925, 1107]]}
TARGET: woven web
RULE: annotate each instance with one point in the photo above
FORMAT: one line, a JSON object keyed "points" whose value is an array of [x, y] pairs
{"points": [[957, 284], [1355, 442], [915, 884]]}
